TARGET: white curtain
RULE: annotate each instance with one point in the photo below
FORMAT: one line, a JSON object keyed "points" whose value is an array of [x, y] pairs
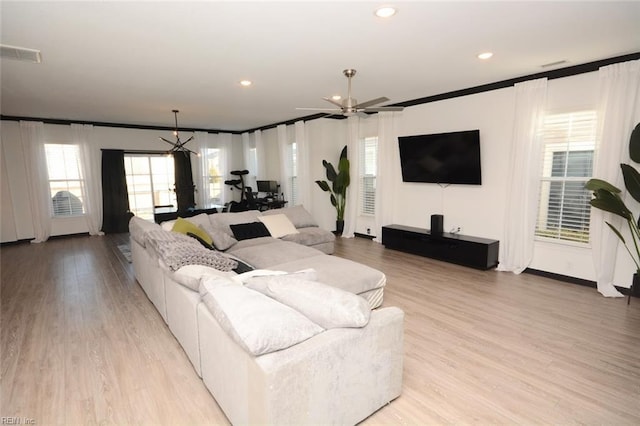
{"points": [[304, 171], [523, 181], [249, 164], [353, 145], [201, 181], [32, 135], [82, 135], [285, 163], [261, 155], [618, 112], [204, 141], [388, 172]]}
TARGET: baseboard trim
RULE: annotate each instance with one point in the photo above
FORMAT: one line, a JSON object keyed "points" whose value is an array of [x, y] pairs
{"points": [[573, 280], [366, 236]]}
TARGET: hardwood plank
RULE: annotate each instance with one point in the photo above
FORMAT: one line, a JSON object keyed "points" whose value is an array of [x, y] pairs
{"points": [[81, 344]]}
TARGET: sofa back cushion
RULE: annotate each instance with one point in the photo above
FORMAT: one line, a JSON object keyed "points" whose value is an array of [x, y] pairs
{"points": [[257, 323], [327, 306], [223, 221], [298, 215]]}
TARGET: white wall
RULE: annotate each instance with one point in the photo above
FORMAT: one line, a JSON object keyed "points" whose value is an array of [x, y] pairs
{"points": [[478, 210]]}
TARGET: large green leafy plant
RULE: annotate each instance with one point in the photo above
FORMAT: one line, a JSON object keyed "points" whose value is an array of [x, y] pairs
{"points": [[607, 197], [339, 182]]}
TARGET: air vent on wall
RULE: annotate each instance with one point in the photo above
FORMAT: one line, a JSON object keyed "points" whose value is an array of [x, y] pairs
{"points": [[20, 53]]}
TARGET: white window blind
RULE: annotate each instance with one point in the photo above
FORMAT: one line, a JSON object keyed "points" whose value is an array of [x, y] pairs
{"points": [[568, 155], [65, 179], [150, 183], [368, 169]]}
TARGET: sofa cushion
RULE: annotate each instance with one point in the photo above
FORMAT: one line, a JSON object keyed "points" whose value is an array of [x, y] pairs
{"points": [[327, 306], [221, 240], [278, 225], [190, 275], [311, 236], [138, 227], [270, 251], [223, 221], [257, 323], [184, 226], [247, 231], [298, 215]]}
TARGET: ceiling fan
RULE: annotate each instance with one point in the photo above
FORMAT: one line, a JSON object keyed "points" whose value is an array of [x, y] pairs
{"points": [[350, 106]]}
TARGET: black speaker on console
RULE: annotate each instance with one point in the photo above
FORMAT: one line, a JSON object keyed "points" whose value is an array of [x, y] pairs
{"points": [[437, 222]]}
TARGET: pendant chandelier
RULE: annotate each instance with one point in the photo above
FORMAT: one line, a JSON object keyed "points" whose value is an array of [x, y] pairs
{"points": [[178, 145]]}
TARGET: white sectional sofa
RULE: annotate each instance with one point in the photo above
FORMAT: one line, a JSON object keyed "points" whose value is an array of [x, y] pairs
{"points": [[337, 375]]}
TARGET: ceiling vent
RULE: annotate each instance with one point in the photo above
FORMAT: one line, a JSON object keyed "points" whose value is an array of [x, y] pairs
{"points": [[20, 53]]}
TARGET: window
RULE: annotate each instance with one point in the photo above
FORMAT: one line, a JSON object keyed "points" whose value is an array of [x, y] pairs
{"points": [[293, 184], [368, 167], [65, 179], [252, 166], [567, 164], [150, 183], [213, 180]]}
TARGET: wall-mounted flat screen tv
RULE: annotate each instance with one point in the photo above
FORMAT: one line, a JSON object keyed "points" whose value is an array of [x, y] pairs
{"points": [[443, 158]]}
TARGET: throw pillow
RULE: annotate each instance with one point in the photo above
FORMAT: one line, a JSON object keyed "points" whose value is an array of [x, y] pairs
{"points": [[245, 231], [201, 241], [327, 306], [183, 226], [278, 225], [221, 240]]}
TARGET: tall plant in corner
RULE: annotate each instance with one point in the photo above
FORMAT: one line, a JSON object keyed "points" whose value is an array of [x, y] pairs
{"points": [[339, 183], [607, 197]]}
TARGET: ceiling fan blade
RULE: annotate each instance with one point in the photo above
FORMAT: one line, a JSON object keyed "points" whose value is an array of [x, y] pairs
{"points": [[380, 109], [372, 102], [319, 109], [338, 104]]}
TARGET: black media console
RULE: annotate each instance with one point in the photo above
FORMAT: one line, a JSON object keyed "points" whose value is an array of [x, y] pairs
{"points": [[479, 253]]}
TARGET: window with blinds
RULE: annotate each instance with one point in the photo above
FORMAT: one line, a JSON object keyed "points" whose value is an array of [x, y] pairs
{"points": [[150, 183], [567, 164], [65, 179], [368, 168]]}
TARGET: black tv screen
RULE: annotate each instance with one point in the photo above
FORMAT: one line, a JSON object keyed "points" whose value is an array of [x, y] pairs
{"points": [[441, 158]]}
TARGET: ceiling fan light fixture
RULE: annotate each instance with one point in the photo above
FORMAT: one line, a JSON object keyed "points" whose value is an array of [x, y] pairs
{"points": [[385, 11]]}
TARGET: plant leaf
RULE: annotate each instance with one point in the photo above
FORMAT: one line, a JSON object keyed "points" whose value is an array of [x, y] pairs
{"points": [[634, 144], [343, 153], [610, 202], [595, 184], [334, 202], [631, 181], [331, 172], [323, 185], [617, 233]]}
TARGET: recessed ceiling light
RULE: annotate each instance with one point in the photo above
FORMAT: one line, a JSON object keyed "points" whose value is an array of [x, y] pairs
{"points": [[485, 55], [246, 83], [385, 12], [336, 97]]}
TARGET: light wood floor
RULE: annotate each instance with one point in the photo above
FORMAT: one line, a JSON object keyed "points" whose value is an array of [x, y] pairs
{"points": [[81, 344]]}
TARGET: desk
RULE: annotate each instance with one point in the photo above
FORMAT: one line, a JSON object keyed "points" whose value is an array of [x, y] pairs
{"points": [[164, 214], [269, 204]]}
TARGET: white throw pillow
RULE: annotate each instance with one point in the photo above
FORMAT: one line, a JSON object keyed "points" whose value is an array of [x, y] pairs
{"points": [[278, 225], [259, 324], [327, 306], [190, 275]]}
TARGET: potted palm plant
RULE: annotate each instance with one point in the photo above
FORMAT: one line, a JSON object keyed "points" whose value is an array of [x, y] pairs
{"points": [[338, 190], [607, 197]]}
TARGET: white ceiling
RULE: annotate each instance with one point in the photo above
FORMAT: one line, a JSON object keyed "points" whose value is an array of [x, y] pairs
{"points": [[133, 62]]}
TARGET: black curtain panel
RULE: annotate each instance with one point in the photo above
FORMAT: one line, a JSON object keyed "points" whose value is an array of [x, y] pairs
{"points": [[184, 181], [115, 198]]}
